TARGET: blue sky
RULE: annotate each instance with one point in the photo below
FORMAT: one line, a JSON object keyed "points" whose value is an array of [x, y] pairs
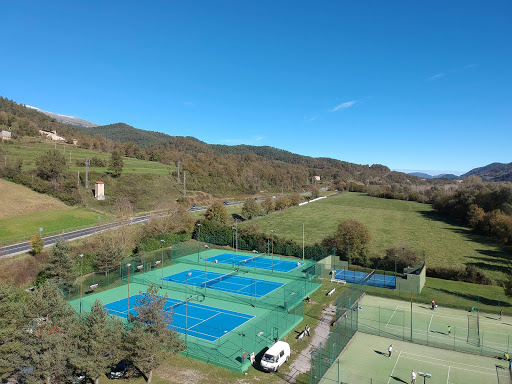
{"points": [[408, 84]]}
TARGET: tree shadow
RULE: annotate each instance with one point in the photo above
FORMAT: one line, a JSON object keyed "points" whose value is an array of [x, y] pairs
{"points": [[476, 298]]}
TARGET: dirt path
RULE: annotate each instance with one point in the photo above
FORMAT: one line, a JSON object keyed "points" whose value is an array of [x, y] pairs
{"points": [[303, 363]]}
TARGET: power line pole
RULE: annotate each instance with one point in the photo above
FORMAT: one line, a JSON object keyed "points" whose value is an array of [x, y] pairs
{"points": [[87, 163], [184, 183], [178, 171]]}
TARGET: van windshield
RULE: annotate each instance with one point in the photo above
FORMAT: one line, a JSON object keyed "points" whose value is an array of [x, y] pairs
{"points": [[268, 358]]}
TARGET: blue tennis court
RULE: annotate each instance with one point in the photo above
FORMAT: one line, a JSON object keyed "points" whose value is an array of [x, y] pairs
{"points": [[202, 321], [259, 261], [230, 282], [376, 280]]}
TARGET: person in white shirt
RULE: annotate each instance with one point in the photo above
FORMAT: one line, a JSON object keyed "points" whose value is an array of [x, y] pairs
{"points": [[390, 349], [413, 377]]}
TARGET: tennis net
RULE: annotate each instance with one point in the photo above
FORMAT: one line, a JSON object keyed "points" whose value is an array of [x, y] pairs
{"points": [[172, 307], [219, 279], [368, 277], [251, 259]]}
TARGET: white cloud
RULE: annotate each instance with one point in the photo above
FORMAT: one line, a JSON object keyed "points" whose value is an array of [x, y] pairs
{"points": [[347, 104], [250, 141], [437, 76]]}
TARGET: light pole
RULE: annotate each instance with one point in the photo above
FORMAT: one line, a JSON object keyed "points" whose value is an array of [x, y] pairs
{"points": [[233, 244], [236, 235], [162, 241], [205, 259], [199, 238], [186, 302], [348, 251], [425, 376], [81, 258], [128, 313], [302, 241], [272, 237], [396, 256]]}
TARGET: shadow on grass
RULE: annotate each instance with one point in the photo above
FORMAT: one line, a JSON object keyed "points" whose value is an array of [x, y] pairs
{"points": [[399, 379], [476, 298], [381, 353]]}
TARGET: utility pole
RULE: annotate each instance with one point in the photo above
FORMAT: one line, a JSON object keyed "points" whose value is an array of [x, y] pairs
{"points": [[178, 171], [184, 183], [87, 163]]}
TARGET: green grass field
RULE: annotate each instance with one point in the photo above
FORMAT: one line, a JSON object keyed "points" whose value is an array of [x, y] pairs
{"points": [[365, 360], [392, 223], [53, 221], [32, 149]]}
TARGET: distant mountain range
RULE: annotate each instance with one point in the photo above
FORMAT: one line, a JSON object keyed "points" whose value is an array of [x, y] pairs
{"points": [[493, 172], [71, 120], [442, 176]]}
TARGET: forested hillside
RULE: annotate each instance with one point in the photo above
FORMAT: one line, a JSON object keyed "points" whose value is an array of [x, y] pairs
{"points": [[493, 172], [218, 169]]}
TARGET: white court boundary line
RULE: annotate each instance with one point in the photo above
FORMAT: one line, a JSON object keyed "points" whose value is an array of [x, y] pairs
{"points": [[448, 378], [390, 376], [429, 324], [391, 317], [426, 359]]}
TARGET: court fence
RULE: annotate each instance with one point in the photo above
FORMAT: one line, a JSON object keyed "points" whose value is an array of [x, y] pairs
{"points": [[233, 350], [396, 323], [345, 327]]}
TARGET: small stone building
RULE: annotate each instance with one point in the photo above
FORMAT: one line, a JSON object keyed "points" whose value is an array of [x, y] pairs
{"points": [[99, 190]]}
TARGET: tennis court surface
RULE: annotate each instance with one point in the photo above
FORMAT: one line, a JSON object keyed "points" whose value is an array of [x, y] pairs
{"points": [[376, 280], [260, 262], [230, 282], [193, 319], [365, 360]]}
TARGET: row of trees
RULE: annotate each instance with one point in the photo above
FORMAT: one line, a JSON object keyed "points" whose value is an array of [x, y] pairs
{"points": [[44, 340], [486, 207]]}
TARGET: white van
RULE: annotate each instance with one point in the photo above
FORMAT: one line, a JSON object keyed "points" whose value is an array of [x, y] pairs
{"points": [[275, 356]]}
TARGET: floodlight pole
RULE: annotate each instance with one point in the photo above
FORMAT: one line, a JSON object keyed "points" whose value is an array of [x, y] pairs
{"points": [[162, 241], [411, 305], [396, 256], [199, 226], [236, 235], [128, 266], [81, 258], [272, 237], [186, 302], [232, 228], [302, 241], [205, 273], [348, 252]]}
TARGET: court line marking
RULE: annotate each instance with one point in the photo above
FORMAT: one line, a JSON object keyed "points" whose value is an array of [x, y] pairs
{"points": [[390, 376], [448, 378], [429, 324], [445, 365], [391, 317], [451, 362], [458, 339]]}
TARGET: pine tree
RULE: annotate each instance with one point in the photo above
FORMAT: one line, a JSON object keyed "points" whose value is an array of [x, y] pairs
{"points": [[99, 342], [60, 264], [116, 164], [48, 336], [150, 336]]}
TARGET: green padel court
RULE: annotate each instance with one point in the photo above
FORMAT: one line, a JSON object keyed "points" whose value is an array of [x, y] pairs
{"points": [[365, 360], [443, 327]]}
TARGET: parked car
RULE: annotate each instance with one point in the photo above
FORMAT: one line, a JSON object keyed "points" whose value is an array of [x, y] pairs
{"points": [[276, 356], [225, 203], [195, 207], [118, 371]]}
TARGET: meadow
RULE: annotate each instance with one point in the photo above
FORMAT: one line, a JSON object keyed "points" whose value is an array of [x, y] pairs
{"points": [[412, 225], [31, 149]]}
